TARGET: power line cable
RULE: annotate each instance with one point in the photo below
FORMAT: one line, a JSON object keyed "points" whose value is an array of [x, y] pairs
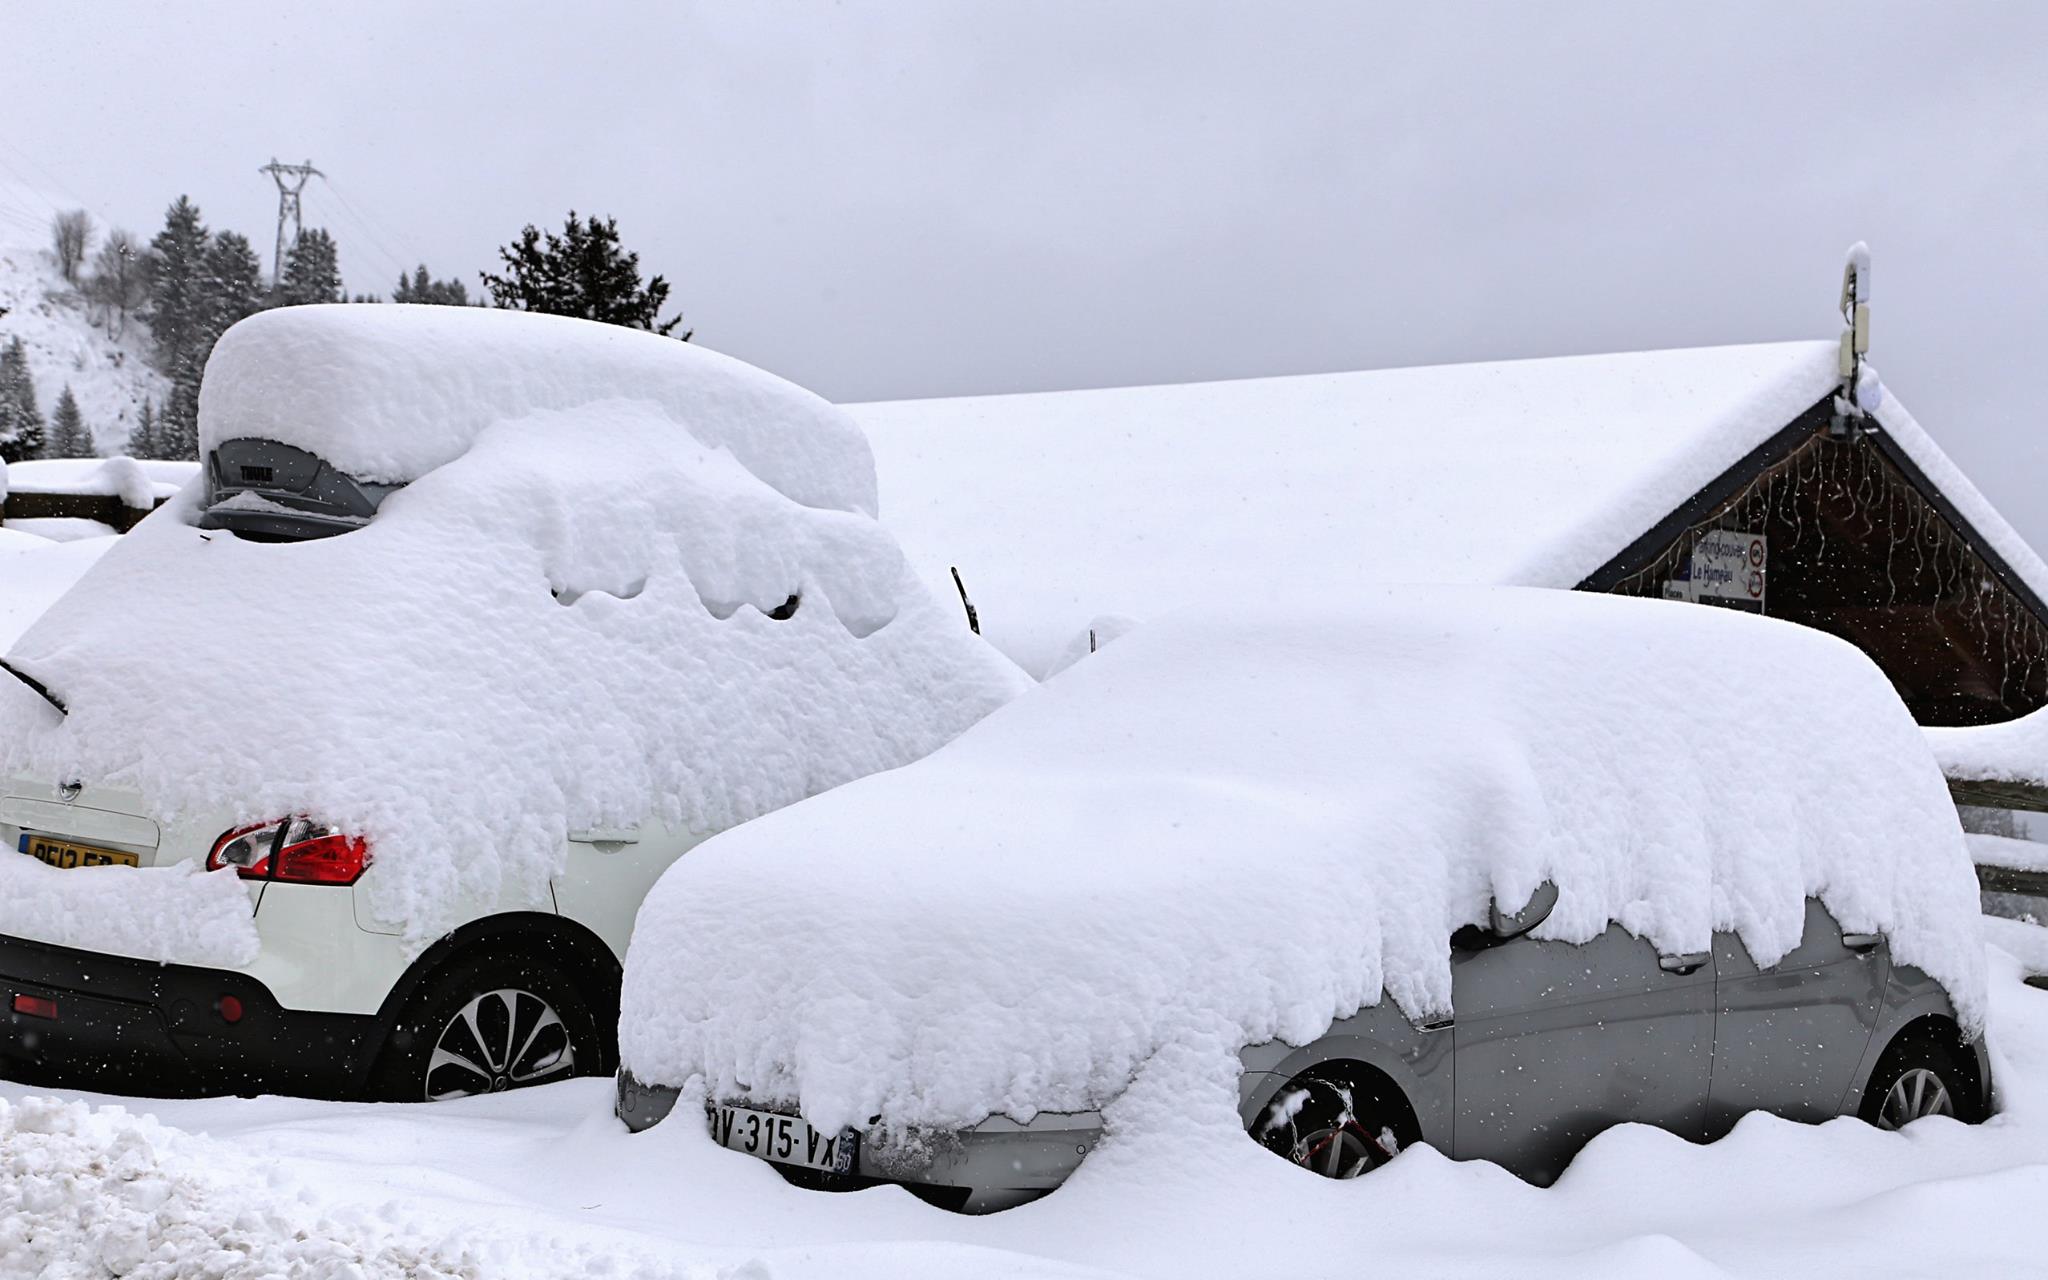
{"points": [[55, 181], [370, 239], [21, 212], [362, 227], [23, 185], [369, 217]]}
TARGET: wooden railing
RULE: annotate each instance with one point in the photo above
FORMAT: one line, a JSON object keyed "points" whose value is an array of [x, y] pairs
{"points": [[107, 508]]}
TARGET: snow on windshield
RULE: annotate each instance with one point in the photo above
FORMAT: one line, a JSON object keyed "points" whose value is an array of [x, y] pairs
{"points": [[1261, 820], [589, 617]]}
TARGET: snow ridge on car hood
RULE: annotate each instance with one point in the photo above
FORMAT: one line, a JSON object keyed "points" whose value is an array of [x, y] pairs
{"points": [[1266, 818], [567, 626]]}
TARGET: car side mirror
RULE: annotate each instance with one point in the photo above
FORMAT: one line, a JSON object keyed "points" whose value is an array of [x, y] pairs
{"points": [[1513, 924]]}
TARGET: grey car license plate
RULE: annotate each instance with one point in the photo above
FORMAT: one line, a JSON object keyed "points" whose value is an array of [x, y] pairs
{"points": [[782, 1139]]}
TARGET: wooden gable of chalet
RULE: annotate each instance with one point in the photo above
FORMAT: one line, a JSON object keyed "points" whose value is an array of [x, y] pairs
{"points": [[1852, 538]]}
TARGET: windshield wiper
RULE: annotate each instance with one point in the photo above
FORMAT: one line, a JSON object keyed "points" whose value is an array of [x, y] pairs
{"points": [[41, 690]]}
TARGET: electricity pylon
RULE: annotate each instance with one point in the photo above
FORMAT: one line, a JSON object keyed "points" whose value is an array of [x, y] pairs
{"points": [[291, 179]]}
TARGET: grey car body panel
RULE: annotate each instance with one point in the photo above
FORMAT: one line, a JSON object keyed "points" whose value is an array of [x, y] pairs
{"points": [[1553, 1043], [1790, 1039], [1379, 1036], [1557, 1041], [1911, 997], [1004, 1162]]}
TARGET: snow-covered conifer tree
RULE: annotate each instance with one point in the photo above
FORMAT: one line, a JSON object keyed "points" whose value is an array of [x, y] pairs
{"points": [[176, 285], [68, 437], [21, 422], [312, 271]]}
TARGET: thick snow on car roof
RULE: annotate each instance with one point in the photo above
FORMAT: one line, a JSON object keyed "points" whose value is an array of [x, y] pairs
{"points": [[1239, 826], [388, 393], [566, 626], [1064, 506]]}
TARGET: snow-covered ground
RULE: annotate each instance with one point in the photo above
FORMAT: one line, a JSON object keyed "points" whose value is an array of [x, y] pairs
{"points": [[110, 376], [547, 1183]]}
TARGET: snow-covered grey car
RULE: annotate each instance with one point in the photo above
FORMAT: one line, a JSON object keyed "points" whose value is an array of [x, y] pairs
{"points": [[1489, 870]]}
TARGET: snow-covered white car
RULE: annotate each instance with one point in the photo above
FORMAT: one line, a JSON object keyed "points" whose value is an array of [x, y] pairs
{"points": [[346, 771], [1493, 870]]}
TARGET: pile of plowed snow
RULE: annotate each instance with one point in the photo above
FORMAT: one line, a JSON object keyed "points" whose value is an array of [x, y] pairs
{"points": [[91, 1193], [1231, 827]]}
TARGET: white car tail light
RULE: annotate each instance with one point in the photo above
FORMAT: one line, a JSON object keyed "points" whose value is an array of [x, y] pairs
{"points": [[292, 851]]}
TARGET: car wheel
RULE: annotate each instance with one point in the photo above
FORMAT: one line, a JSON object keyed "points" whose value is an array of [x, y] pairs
{"points": [[1916, 1077], [1335, 1126], [486, 1024]]}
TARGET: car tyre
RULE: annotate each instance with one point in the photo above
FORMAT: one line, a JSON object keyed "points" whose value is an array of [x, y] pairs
{"points": [[1343, 1127], [1916, 1077], [486, 1023]]}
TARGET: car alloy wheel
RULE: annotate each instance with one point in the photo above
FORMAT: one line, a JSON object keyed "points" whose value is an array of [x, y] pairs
{"points": [[1330, 1126], [1917, 1092], [1343, 1152], [502, 1039]]}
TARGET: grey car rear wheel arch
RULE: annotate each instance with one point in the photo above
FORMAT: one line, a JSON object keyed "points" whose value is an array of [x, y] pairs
{"points": [[1929, 1048]]}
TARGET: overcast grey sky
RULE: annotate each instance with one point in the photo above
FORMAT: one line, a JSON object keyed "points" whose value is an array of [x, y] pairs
{"points": [[909, 199]]}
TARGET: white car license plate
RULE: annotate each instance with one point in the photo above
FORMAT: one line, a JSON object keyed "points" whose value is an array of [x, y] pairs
{"points": [[782, 1139]]}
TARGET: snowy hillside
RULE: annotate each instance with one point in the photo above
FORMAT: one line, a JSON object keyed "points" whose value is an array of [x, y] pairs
{"points": [[110, 377]]}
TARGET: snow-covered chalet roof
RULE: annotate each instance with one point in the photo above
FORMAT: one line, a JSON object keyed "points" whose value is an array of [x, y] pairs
{"points": [[1063, 507]]}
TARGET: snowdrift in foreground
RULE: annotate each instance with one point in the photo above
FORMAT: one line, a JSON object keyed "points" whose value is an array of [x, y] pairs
{"points": [[87, 1193], [390, 394], [1220, 829], [590, 618], [176, 914], [242, 1188]]}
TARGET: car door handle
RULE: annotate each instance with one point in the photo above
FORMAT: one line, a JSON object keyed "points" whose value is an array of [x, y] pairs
{"points": [[1861, 941], [605, 835], [1685, 963]]}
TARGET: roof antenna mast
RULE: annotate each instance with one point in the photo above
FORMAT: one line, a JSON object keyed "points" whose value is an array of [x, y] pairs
{"points": [[1859, 382], [290, 179]]}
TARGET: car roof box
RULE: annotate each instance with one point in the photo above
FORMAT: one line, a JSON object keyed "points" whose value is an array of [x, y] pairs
{"points": [[276, 492]]}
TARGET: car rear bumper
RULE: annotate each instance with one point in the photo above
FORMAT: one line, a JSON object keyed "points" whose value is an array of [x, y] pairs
{"points": [[994, 1165], [135, 1027]]}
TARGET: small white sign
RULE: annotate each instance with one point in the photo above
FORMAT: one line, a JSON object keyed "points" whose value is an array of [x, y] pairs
{"points": [[1728, 564]]}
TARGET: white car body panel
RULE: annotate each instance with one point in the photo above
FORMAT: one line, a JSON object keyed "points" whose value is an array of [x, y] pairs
{"points": [[605, 879], [323, 949]]}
